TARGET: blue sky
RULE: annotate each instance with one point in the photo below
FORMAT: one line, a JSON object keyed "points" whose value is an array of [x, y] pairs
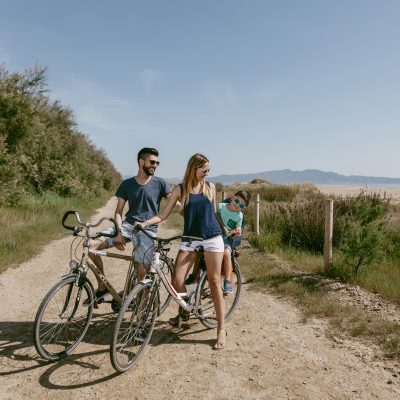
{"points": [[254, 85]]}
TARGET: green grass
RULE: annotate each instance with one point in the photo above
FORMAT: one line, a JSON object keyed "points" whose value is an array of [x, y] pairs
{"points": [[25, 230], [382, 278]]}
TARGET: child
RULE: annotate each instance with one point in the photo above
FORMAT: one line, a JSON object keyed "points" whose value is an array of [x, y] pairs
{"points": [[230, 216]]}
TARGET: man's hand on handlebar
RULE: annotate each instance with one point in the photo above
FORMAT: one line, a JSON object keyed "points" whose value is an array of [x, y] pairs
{"points": [[140, 225], [119, 242]]}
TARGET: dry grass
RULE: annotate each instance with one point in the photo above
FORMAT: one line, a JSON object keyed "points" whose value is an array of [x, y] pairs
{"points": [[26, 230]]}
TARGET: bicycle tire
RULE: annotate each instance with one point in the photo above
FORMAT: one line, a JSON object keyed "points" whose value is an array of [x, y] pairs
{"points": [[164, 296], [207, 316], [62, 319], [134, 326]]}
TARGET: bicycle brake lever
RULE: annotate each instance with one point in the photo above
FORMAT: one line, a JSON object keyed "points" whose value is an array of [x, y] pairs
{"points": [[77, 230]]}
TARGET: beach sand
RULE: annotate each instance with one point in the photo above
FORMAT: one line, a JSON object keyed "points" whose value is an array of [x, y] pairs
{"points": [[349, 190]]}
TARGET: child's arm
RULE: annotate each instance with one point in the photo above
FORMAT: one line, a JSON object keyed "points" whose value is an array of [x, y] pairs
{"points": [[237, 231]]}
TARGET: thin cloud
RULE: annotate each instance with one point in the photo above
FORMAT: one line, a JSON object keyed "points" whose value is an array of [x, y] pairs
{"points": [[265, 94], [150, 77], [220, 94], [96, 111]]}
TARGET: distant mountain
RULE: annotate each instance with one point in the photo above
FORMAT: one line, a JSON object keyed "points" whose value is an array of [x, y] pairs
{"points": [[286, 176]]}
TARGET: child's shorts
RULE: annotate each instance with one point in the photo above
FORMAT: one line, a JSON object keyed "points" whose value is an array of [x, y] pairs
{"points": [[230, 243]]}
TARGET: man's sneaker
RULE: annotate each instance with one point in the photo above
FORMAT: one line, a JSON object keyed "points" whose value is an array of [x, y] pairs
{"points": [[228, 289], [98, 298]]}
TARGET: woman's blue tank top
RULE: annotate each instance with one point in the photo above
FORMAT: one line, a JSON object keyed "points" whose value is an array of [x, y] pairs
{"points": [[200, 219]]}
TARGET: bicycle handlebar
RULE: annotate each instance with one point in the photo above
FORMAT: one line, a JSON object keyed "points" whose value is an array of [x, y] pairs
{"points": [[87, 225], [163, 240]]}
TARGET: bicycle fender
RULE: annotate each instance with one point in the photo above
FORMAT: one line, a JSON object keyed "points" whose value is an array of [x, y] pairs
{"points": [[71, 274], [145, 281], [76, 276]]}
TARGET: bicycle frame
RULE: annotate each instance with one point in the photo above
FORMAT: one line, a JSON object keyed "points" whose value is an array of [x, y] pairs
{"points": [[179, 298], [85, 264], [104, 280]]}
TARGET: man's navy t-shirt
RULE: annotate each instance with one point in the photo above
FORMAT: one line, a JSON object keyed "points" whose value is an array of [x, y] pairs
{"points": [[143, 200]]}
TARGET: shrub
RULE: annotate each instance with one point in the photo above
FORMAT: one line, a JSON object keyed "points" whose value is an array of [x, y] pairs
{"points": [[40, 148], [358, 230], [258, 181], [361, 229]]}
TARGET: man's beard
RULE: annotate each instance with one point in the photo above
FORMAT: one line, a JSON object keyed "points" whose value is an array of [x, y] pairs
{"points": [[148, 171]]}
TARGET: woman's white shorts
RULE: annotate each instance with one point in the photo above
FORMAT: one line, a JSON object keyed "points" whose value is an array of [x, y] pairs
{"points": [[215, 245]]}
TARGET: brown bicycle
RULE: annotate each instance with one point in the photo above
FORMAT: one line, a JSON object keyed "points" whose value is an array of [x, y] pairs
{"points": [[64, 314]]}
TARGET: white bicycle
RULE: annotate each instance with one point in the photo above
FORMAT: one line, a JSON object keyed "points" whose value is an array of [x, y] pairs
{"points": [[137, 315]]}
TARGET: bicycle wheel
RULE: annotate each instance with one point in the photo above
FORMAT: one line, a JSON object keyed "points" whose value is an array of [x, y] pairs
{"points": [[62, 319], [164, 296], [134, 326], [205, 302]]}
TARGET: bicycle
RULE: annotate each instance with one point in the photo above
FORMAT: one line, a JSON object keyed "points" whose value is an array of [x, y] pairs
{"points": [[136, 318], [64, 315]]}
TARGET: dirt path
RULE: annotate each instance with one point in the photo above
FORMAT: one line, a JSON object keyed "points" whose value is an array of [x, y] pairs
{"points": [[271, 353]]}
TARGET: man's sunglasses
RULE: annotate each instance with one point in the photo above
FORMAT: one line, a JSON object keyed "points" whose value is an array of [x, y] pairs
{"points": [[240, 204], [154, 162]]}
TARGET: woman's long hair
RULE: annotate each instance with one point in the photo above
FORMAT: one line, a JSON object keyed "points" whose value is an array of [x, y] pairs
{"points": [[189, 180]]}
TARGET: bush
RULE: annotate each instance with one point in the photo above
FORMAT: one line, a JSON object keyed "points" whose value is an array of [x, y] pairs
{"points": [[361, 229], [358, 230], [258, 181], [40, 148]]}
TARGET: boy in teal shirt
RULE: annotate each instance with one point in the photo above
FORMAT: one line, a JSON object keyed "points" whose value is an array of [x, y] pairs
{"points": [[230, 216]]}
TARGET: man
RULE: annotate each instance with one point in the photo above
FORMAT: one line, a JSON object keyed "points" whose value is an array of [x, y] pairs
{"points": [[143, 193]]}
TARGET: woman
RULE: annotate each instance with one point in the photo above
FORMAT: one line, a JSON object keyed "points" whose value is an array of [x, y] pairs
{"points": [[199, 206]]}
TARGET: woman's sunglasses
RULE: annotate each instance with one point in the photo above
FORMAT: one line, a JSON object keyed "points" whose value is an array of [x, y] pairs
{"points": [[240, 204]]}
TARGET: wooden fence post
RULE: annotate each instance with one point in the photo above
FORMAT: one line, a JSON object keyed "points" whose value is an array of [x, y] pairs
{"points": [[223, 194], [258, 214], [328, 233]]}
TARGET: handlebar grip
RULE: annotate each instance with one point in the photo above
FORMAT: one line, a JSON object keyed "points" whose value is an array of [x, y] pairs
{"points": [[71, 228], [116, 229], [138, 228]]}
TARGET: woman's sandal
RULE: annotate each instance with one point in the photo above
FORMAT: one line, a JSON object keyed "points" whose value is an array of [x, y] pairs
{"points": [[221, 340]]}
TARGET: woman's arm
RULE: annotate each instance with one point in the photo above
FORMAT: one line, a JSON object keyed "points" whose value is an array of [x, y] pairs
{"points": [[172, 200]]}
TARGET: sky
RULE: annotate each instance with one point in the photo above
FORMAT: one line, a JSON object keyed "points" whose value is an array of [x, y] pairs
{"points": [[255, 85]]}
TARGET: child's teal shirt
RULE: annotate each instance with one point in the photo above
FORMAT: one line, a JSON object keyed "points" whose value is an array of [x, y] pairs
{"points": [[230, 219]]}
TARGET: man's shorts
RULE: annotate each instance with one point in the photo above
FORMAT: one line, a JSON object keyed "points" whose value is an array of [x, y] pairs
{"points": [[214, 245], [143, 246]]}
